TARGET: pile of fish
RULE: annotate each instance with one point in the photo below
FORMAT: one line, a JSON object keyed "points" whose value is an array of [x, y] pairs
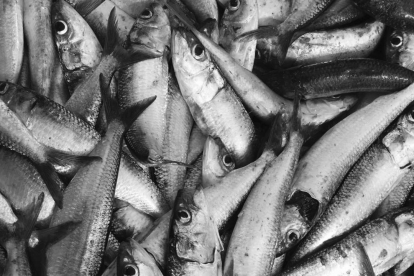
{"points": [[204, 137]]}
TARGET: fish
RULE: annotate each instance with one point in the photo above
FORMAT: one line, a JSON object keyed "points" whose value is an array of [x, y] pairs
{"points": [[193, 175], [134, 260], [326, 45], [396, 14], [339, 260], [84, 7], [149, 77], [212, 102], [386, 241], [203, 10], [41, 49], [380, 169], [195, 243], [263, 103], [400, 48], [133, 8], [273, 12], [239, 17], [89, 196], [196, 144], [20, 181], [79, 49], [24, 76], [338, 77], [86, 101], [12, 42], [127, 221], [318, 177], [250, 253], [170, 177], [15, 238], [302, 13]]}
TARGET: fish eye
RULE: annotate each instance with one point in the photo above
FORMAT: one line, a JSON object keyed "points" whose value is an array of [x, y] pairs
{"points": [[3, 87], [61, 27], [292, 236], [131, 270], [410, 116], [234, 5], [228, 160], [146, 14], [396, 41], [183, 215], [198, 51]]}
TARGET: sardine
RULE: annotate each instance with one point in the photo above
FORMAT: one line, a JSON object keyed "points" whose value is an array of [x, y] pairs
{"points": [[195, 243], [79, 50], [89, 197], [323, 167], [239, 17], [86, 99], [215, 108], [400, 48], [338, 77], [12, 42], [398, 14]]}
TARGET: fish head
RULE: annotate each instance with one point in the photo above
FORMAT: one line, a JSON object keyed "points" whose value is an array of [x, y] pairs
{"points": [[79, 49], [151, 29], [400, 140], [238, 15], [19, 99], [194, 233], [404, 221], [134, 260], [217, 162], [197, 76], [400, 48], [293, 228]]}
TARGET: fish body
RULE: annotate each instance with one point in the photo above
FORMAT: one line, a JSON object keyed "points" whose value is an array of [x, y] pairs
{"points": [[273, 12], [339, 77], [327, 45], [254, 241], [239, 17], [318, 177], [196, 144], [89, 198], [11, 44], [396, 14], [400, 48], [195, 244], [215, 108], [170, 177], [79, 50]]}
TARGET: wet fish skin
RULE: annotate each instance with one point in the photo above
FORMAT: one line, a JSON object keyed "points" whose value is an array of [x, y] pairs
{"points": [[333, 78], [318, 177], [239, 17], [79, 50], [396, 14], [170, 177], [83, 248], [42, 52], [11, 44], [20, 181], [195, 244], [400, 48], [273, 12], [196, 144], [203, 10]]}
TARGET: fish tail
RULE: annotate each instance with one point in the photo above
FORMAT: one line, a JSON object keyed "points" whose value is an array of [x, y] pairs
{"points": [[54, 234], [86, 7], [120, 49], [283, 39], [27, 217], [52, 181], [112, 109], [296, 114]]}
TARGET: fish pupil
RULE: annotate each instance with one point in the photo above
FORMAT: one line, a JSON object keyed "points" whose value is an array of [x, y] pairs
{"points": [[183, 214], [234, 3], [3, 86], [146, 13], [293, 237], [396, 41], [198, 50], [227, 159], [60, 26], [129, 270]]}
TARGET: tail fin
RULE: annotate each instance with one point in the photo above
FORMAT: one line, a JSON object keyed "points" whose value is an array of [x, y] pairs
{"points": [[281, 37], [86, 7], [112, 109], [52, 181], [115, 46], [27, 217]]}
